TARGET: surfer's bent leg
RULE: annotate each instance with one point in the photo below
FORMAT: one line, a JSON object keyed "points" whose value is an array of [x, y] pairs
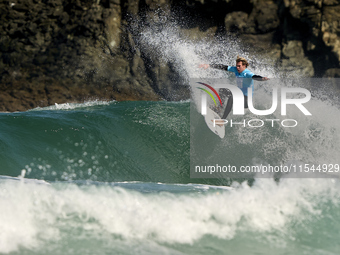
{"points": [[246, 102], [228, 107]]}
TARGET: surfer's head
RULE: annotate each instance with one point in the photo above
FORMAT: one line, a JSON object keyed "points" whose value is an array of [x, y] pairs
{"points": [[241, 64]]}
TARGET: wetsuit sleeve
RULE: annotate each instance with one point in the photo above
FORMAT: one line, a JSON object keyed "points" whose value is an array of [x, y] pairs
{"points": [[257, 77], [219, 66]]}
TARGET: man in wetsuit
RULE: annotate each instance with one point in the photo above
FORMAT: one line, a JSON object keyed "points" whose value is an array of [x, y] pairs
{"points": [[244, 80]]}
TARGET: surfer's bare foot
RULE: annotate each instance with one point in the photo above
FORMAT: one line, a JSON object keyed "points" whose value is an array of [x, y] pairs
{"points": [[219, 122]]}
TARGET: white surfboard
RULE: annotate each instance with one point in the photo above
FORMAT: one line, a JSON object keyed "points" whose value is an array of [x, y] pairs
{"points": [[209, 119]]}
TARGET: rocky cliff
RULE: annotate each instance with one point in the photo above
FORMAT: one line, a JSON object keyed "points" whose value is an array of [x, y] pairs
{"points": [[55, 51]]}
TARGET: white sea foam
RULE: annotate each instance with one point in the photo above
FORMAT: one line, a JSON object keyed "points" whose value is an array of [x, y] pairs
{"points": [[71, 106], [34, 215], [171, 45]]}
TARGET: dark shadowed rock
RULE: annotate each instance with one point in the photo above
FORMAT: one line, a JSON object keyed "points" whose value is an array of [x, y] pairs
{"points": [[66, 51]]}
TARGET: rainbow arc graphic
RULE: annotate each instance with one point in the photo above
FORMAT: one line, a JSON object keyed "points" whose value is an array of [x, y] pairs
{"points": [[204, 98]]}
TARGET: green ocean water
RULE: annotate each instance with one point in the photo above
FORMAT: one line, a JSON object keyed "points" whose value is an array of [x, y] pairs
{"points": [[128, 141], [113, 178]]}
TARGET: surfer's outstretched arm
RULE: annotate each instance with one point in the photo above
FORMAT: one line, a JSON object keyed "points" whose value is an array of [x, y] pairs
{"points": [[259, 78], [219, 66], [216, 66]]}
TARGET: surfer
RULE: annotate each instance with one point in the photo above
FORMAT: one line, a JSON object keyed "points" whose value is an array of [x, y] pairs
{"points": [[244, 79]]}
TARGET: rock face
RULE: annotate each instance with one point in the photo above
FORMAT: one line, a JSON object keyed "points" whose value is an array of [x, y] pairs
{"points": [[58, 51], [62, 51]]}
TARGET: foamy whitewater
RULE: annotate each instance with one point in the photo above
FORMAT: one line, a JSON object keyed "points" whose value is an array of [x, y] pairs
{"points": [[292, 217], [114, 178]]}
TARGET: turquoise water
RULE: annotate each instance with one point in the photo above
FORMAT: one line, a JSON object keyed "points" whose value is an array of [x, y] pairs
{"points": [[128, 141], [113, 178]]}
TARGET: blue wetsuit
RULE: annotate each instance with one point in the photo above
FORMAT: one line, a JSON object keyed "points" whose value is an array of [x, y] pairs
{"points": [[244, 81]]}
